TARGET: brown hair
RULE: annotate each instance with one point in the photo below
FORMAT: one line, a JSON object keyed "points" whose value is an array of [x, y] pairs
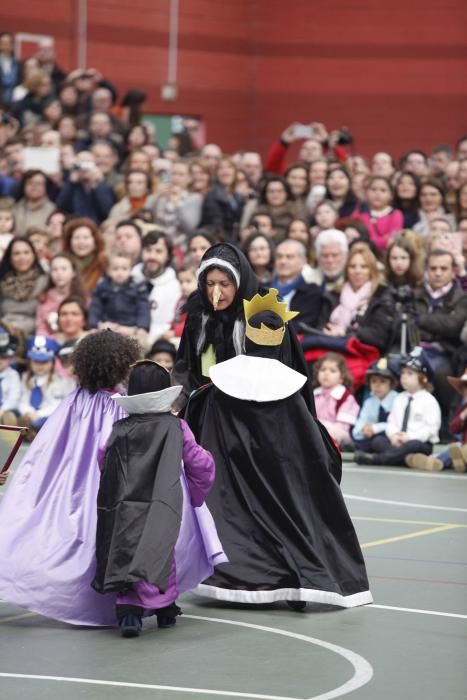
{"points": [[414, 274], [76, 286], [91, 273], [347, 380]]}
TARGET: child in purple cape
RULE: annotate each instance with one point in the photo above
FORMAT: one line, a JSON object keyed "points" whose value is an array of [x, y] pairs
{"points": [[48, 514], [154, 483]]}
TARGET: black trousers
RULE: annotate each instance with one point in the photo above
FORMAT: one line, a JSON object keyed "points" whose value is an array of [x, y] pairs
{"points": [[395, 456]]}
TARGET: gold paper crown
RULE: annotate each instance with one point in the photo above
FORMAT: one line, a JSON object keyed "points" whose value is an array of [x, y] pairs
{"points": [[264, 335]]}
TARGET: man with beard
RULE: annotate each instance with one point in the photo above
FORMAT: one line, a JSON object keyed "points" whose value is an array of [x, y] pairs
{"points": [[163, 287]]}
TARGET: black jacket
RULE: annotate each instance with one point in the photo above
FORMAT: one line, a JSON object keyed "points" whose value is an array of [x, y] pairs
{"points": [[222, 210], [441, 320], [374, 327], [127, 305]]}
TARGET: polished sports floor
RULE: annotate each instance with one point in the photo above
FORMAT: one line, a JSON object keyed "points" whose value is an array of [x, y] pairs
{"points": [[409, 645]]}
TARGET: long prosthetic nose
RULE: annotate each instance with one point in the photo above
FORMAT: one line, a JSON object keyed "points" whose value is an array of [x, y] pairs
{"points": [[216, 295]]}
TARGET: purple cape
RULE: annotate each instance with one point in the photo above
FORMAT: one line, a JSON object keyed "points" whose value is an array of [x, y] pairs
{"points": [[48, 519]]}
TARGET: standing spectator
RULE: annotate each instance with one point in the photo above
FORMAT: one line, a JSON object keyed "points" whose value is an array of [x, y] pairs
{"points": [[45, 55], [85, 194], [22, 281], [441, 156], [30, 66], [161, 280], [128, 240], [252, 166], [33, 207], [416, 162], [198, 244], [200, 176], [383, 164], [10, 68], [276, 200], [39, 89], [106, 157], [83, 240], [64, 280], [222, 206]]}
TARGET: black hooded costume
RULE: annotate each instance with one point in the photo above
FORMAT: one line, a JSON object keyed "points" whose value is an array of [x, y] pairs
{"points": [[276, 500], [224, 331]]}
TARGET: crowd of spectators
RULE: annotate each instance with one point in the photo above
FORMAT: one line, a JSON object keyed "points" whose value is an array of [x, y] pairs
{"points": [[372, 252]]}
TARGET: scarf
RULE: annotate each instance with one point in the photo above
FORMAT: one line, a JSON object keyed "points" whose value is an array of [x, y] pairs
{"points": [[285, 288], [351, 304], [20, 287], [437, 294]]}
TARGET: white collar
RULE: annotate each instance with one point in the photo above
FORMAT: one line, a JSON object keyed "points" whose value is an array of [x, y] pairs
{"points": [[152, 402], [336, 393], [256, 378]]}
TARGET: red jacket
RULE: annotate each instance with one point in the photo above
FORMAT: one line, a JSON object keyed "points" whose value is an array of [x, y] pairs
{"points": [[459, 426], [275, 160]]}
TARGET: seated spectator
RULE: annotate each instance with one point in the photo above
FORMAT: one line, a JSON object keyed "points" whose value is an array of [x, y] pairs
{"points": [[383, 164], [455, 456], [22, 281], [188, 281], [331, 250], [296, 176], [252, 166], [33, 206], [288, 279], [177, 210], [325, 217], [100, 128], [416, 162], [441, 311], [339, 191], [85, 193], [200, 175], [460, 207], [138, 195], [441, 156], [106, 158], [336, 407], [40, 237], [371, 423], [298, 230], [211, 154], [10, 382], [365, 306], [118, 302], [198, 244], [161, 281], [163, 352], [64, 281], [42, 388], [83, 241], [407, 198], [276, 200], [67, 131], [432, 206], [7, 228], [380, 217], [414, 420], [55, 224], [10, 68], [259, 251], [356, 230], [222, 206], [127, 239], [72, 318]]}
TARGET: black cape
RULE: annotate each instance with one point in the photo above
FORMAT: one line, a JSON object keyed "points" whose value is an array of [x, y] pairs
{"points": [[278, 508], [139, 503]]}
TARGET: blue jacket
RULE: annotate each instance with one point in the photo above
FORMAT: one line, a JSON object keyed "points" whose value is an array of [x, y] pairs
{"points": [[370, 413], [127, 305], [94, 203]]}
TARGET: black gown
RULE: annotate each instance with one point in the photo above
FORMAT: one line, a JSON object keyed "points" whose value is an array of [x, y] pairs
{"points": [[277, 504]]}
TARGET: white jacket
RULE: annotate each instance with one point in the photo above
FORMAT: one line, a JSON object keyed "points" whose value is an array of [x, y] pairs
{"points": [[163, 299], [424, 418], [53, 394]]}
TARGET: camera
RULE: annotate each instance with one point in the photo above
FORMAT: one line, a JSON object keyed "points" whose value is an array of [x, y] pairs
{"points": [[344, 138], [5, 119], [402, 294]]}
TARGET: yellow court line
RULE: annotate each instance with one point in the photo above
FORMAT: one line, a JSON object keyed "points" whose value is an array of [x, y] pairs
{"points": [[404, 522], [16, 617], [410, 535]]}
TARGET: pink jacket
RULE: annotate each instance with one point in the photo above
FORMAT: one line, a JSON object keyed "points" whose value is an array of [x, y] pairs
{"points": [[331, 409], [382, 229], [48, 304]]}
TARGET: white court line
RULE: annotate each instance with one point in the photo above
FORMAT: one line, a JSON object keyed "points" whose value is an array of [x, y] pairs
{"points": [[363, 672], [382, 471], [416, 610], [403, 503]]}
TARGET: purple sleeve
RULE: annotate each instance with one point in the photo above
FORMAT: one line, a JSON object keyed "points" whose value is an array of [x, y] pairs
{"points": [[199, 467]]}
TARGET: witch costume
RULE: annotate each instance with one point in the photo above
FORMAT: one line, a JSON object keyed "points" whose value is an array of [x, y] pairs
{"points": [[276, 500], [211, 336], [155, 538]]}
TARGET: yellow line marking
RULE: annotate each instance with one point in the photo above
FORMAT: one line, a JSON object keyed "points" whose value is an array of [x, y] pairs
{"points": [[16, 617], [405, 522], [410, 535]]}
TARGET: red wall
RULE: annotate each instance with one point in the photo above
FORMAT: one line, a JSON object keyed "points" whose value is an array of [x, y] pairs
{"points": [[394, 72]]}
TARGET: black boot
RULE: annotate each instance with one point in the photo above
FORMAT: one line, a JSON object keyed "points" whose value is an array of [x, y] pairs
{"points": [[130, 625], [361, 457], [297, 605], [167, 617]]}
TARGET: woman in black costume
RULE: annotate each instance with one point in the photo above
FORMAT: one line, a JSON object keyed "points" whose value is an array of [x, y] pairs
{"points": [[276, 500], [215, 326]]}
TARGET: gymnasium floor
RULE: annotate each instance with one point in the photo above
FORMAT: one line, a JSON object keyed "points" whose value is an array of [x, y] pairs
{"points": [[411, 644]]}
